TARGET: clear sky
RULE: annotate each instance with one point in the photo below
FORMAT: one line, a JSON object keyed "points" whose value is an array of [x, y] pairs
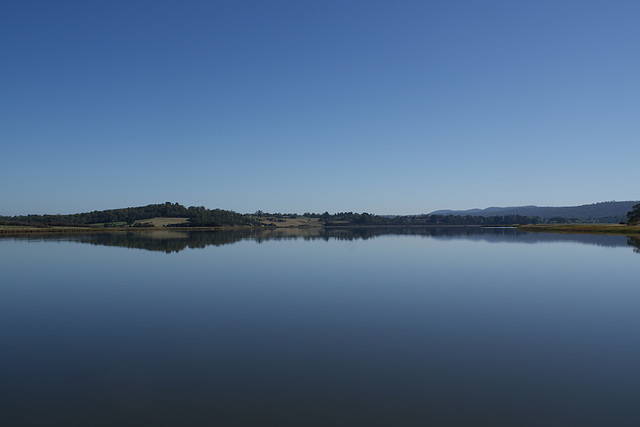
{"points": [[387, 107]]}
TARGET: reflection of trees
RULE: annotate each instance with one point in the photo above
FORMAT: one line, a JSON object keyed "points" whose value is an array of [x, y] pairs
{"points": [[635, 242], [175, 241], [166, 241]]}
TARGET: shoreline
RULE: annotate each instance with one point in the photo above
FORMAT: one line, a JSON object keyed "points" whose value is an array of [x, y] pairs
{"points": [[8, 230], [616, 229], [611, 229]]}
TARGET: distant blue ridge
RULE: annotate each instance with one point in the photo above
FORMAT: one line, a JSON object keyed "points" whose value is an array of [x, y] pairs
{"points": [[611, 209]]}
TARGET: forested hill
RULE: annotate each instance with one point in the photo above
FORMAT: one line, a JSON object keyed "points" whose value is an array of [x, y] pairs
{"points": [[197, 216], [597, 212]]}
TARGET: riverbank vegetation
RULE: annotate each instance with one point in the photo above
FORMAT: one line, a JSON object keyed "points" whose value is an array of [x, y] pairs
{"points": [[174, 215], [633, 216]]}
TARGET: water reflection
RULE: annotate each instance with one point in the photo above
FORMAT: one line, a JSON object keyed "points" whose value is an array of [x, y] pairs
{"points": [[375, 327], [635, 243], [176, 241]]}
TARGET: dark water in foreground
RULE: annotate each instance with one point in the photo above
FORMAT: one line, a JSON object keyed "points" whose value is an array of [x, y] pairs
{"points": [[376, 327]]}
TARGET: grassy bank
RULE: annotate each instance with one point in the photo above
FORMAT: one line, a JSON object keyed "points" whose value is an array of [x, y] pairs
{"points": [[583, 228], [10, 229], [159, 224]]}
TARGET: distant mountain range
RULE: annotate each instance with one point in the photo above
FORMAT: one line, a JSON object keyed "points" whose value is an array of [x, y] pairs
{"points": [[615, 211]]}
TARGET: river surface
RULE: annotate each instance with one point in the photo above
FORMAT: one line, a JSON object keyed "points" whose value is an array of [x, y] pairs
{"points": [[367, 327]]}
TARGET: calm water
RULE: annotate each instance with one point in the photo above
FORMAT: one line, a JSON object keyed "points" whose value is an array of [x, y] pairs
{"points": [[441, 327]]}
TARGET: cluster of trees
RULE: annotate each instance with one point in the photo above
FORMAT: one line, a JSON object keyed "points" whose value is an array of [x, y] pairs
{"points": [[633, 216], [367, 219], [196, 216], [202, 217], [128, 215]]}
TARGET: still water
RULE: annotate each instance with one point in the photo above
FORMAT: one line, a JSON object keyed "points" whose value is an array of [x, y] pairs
{"points": [[371, 327]]}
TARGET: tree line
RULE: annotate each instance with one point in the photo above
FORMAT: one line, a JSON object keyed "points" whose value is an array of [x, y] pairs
{"points": [[633, 216], [367, 219], [199, 216]]}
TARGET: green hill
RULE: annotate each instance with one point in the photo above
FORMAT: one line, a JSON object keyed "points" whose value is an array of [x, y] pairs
{"points": [[195, 217]]}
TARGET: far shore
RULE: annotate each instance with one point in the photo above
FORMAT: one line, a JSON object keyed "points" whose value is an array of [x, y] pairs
{"points": [[619, 229]]}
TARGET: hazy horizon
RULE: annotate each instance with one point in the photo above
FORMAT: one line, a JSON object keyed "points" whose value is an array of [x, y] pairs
{"points": [[435, 211], [382, 107]]}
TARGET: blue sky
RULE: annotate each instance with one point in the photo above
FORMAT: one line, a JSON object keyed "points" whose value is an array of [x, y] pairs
{"points": [[388, 107]]}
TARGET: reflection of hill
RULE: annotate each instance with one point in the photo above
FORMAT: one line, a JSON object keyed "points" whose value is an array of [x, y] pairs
{"points": [[516, 236], [175, 241]]}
